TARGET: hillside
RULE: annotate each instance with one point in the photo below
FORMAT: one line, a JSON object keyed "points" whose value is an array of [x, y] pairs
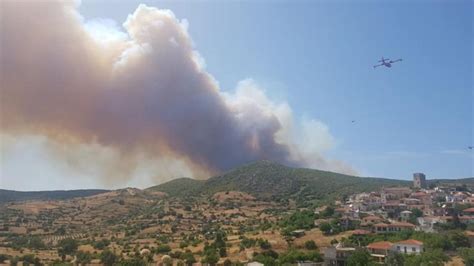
{"points": [[180, 187], [12, 195], [265, 179]]}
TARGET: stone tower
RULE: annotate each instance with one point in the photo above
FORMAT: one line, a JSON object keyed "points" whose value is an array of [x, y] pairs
{"points": [[419, 180]]}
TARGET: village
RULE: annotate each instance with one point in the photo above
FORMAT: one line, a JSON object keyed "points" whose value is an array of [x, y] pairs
{"points": [[140, 227], [421, 208]]}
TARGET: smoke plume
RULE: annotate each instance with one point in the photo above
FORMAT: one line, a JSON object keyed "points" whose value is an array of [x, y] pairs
{"points": [[142, 96]]}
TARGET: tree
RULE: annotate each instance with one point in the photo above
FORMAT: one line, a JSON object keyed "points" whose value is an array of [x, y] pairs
{"points": [[210, 258], [163, 248], [223, 252], [325, 228], [3, 258], [108, 258], [359, 258], [188, 257], [310, 244], [459, 240], [431, 258], [467, 255], [394, 259], [67, 246], [328, 212], [264, 244], [227, 262], [83, 258], [132, 262]]}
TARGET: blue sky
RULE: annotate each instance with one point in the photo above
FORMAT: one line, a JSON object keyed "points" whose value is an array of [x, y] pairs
{"points": [[416, 116], [317, 56]]}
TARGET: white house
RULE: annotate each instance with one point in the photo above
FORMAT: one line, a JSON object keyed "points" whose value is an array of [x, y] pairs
{"points": [[255, 263], [409, 246]]}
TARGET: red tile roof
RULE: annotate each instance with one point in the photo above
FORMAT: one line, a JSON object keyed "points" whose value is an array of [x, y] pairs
{"points": [[469, 210], [360, 232], [380, 225], [410, 242], [469, 233], [385, 245]]}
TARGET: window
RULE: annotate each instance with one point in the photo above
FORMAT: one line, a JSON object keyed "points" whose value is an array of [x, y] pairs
{"points": [[398, 248], [405, 249], [413, 249]]}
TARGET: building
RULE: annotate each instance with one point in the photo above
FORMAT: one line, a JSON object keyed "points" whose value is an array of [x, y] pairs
{"points": [[308, 263], [394, 193], [410, 246], [379, 250], [394, 227], [337, 255], [419, 180], [405, 215], [470, 235], [255, 263]]}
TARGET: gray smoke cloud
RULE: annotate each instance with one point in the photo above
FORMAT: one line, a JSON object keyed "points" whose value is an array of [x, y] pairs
{"points": [[143, 96]]}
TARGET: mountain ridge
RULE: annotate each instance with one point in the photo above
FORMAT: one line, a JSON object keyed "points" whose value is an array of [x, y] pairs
{"points": [[263, 179]]}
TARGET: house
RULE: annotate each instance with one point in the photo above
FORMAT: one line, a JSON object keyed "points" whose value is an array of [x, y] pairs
{"points": [[470, 235], [308, 263], [405, 215], [379, 250], [468, 200], [427, 223], [360, 232], [371, 219], [468, 211], [394, 193], [298, 233], [410, 246], [337, 255], [394, 227], [255, 263]]}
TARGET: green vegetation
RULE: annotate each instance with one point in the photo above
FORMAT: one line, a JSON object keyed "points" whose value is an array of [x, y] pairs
{"points": [[108, 258], [272, 258], [433, 258], [467, 255], [11, 195], [446, 241], [360, 258], [310, 245], [269, 180], [67, 246], [297, 220]]}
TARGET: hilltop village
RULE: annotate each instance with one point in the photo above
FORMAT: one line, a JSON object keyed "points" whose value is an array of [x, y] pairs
{"points": [[425, 223]]}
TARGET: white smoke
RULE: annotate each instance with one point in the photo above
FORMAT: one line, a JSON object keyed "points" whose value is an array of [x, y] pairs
{"points": [[139, 102]]}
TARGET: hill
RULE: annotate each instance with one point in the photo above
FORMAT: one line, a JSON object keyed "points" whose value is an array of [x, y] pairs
{"points": [[180, 187], [12, 195], [265, 179]]}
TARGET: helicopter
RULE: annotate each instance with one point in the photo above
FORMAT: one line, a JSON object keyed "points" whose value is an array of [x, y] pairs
{"points": [[387, 62]]}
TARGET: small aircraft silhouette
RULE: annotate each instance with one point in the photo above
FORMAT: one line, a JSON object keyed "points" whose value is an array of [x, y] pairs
{"points": [[470, 147], [387, 62]]}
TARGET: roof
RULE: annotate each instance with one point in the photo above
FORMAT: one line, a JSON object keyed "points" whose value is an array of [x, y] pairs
{"points": [[410, 242], [397, 224], [419, 194], [360, 232], [380, 225], [469, 233], [385, 245], [403, 224], [372, 217], [469, 210]]}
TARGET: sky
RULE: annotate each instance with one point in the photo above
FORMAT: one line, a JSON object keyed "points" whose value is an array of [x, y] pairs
{"points": [[317, 58]]}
